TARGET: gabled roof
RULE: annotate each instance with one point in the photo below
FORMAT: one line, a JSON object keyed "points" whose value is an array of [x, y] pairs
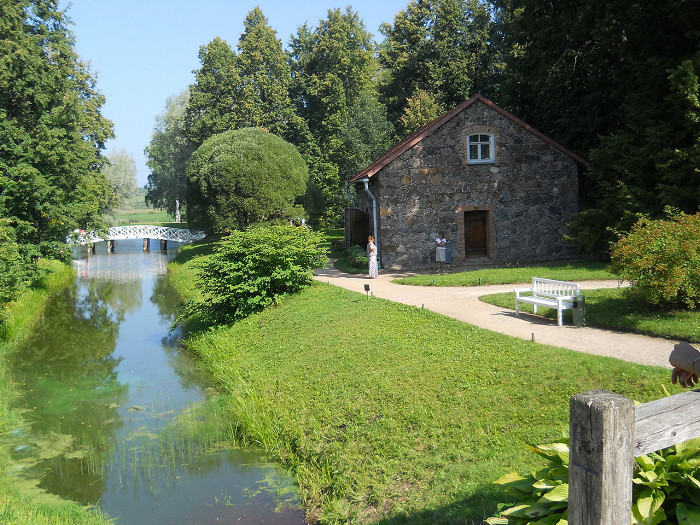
{"points": [[425, 130]]}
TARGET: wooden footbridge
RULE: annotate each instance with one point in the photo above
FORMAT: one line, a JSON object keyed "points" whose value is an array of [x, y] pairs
{"points": [[145, 232]]}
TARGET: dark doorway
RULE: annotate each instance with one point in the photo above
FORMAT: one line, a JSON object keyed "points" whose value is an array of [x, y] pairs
{"points": [[356, 227], [475, 233]]}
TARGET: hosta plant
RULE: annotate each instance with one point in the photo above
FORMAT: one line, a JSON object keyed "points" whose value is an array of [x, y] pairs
{"points": [[666, 488]]}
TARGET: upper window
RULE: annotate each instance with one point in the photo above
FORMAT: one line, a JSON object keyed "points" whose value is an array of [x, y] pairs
{"points": [[479, 149]]}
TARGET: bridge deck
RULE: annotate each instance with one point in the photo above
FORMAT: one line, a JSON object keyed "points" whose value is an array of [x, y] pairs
{"points": [[139, 232]]}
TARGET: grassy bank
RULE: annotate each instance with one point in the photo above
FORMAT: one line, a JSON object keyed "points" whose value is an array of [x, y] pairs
{"points": [[391, 414], [620, 309], [17, 508], [572, 271]]}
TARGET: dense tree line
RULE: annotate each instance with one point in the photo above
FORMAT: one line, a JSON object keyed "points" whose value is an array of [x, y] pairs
{"points": [[51, 136], [615, 82]]}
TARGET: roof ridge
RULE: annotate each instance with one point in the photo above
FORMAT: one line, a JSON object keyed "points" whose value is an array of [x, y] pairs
{"points": [[428, 128]]}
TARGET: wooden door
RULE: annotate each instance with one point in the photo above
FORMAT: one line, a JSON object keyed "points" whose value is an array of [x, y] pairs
{"points": [[475, 233], [356, 227]]}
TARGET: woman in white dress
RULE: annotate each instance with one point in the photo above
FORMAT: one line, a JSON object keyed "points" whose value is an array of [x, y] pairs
{"points": [[372, 256]]}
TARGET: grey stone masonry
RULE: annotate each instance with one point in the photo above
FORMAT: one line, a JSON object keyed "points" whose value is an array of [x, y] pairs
{"points": [[527, 194]]}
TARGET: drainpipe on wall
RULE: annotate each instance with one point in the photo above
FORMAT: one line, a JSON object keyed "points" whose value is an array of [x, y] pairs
{"points": [[347, 194], [374, 216]]}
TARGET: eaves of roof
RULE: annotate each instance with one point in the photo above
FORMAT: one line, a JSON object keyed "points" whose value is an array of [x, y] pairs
{"points": [[425, 130]]}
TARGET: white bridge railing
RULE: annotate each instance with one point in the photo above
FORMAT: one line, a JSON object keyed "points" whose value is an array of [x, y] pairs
{"points": [[139, 232]]}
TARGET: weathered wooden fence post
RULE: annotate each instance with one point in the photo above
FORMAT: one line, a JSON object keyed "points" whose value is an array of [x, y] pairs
{"points": [[601, 458]]}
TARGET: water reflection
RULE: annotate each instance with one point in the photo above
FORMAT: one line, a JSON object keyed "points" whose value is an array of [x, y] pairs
{"points": [[119, 416]]}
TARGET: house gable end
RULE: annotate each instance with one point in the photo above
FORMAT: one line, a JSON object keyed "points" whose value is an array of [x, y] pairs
{"points": [[429, 128]]}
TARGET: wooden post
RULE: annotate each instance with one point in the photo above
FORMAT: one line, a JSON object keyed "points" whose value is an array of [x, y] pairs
{"points": [[163, 244], [110, 246], [601, 458], [146, 244]]}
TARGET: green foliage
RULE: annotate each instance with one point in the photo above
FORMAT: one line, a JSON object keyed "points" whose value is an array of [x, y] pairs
{"points": [[356, 256], [168, 154], [666, 487], [253, 269], [265, 77], [662, 259], [420, 109], [250, 88], [366, 135], [16, 272], [618, 84], [443, 47], [120, 171], [213, 95], [333, 67], [543, 493], [241, 177], [51, 130]]}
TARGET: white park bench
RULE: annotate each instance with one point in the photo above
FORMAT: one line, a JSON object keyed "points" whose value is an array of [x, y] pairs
{"points": [[548, 293]]}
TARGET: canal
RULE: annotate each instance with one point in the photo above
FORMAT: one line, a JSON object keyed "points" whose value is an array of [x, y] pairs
{"points": [[118, 416]]}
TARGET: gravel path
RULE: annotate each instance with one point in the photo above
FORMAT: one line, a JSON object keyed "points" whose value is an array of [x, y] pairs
{"points": [[463, 303]]}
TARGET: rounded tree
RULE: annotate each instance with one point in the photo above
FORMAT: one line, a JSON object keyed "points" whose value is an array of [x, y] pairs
{"points": [[241, 177]]}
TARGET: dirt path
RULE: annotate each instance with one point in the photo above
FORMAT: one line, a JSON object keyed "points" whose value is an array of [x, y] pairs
{"points": [[463, 303]]}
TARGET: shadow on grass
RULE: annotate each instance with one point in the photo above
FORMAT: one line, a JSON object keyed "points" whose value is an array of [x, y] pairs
{"points": [[628, 311], [621, 310], [472, 510]]}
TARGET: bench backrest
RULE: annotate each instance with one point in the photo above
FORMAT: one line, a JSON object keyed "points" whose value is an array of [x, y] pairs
{"points": [[553, 288]]}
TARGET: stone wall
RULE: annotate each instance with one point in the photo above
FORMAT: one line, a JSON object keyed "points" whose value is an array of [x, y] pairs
{"points": [[529, 193]]}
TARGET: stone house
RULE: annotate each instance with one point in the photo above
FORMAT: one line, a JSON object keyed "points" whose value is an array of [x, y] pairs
{"points": [[501, 191]]}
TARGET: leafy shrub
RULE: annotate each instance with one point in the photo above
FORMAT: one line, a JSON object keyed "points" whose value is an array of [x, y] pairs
{"points": [[357, 257], [666, 487], [337, 246], [662, 259], [241, 177], [253, 269], [15, 267]]}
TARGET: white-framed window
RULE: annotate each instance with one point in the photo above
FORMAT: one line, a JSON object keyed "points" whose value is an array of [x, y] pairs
{"points": [[480, 148]]}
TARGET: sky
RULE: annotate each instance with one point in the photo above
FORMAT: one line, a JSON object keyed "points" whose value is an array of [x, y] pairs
{"points": [[143, 51]]}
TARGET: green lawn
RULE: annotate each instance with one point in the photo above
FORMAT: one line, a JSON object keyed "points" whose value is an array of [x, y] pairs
{"points": [[620, 309], [392, 414], [573, 271], [141, 216]]}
